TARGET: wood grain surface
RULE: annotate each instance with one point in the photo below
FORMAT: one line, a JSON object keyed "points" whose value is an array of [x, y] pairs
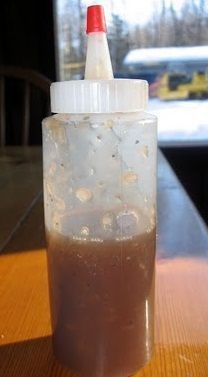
{"points": [[181, 347], [181, 319]]}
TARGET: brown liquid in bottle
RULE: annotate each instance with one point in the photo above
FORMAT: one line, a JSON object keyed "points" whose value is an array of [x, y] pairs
{"points": [[102, 303]]}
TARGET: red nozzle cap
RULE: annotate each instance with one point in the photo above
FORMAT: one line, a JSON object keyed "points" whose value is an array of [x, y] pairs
{"points": [[95, 19]]}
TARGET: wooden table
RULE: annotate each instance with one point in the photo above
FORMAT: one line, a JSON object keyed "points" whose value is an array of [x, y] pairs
{"points": [[181, 282]]}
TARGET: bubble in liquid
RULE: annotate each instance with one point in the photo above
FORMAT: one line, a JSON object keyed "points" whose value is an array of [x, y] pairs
{"points": [[152, 210], [59, 135], [60, 204], [49, 188], [77, 238], [92, 171], [145, 151], [85, 231], [115, 160], [99, 240], [109, 123], [99, 138], [145, 199], [127, 221], [130, 177], [52, 169], [123, 238], [56, 223], [94, 125], [84, 194], [152, 216], [107, 221], [152, 221]]}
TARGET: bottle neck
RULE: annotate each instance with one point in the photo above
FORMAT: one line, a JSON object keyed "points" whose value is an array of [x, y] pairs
{"points": [[98, 62]]}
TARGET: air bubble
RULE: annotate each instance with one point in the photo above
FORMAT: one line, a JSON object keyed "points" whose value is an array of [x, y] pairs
{"points": [[130, 177], [49, 188], [52, 169], [153, 215], [152, 211], [56, 222], [145, 151], [94, 125], [123, 238], [60, 204], [99, 138], [92, 171], [127, 221], [59, 135], [109, 124], [99, 240], [84, 195], [152, 222], [85, 231], [76, 238], [107, 221]]}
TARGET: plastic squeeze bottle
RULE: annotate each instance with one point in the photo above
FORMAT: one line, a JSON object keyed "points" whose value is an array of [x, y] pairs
{"points": [[99, 153]]}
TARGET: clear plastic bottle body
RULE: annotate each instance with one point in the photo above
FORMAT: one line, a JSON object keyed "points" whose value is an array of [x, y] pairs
{"points": [[100, 216]]}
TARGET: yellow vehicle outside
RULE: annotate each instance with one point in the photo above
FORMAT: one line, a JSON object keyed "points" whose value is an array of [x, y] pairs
{"points": [[181, 86]]}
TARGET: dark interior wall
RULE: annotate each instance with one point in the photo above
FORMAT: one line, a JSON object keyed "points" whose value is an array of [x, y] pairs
{"points": [[26, 41], [27, 35], [191, 166]]}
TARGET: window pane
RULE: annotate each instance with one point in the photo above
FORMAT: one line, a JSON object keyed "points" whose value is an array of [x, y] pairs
{"points": [[165, 42]]}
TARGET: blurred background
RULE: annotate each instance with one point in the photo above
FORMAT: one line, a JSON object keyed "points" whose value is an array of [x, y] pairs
{"points": [[164, 42]]}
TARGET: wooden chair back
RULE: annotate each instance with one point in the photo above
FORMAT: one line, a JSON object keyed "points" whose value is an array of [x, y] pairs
{"points": [[29, 78]]}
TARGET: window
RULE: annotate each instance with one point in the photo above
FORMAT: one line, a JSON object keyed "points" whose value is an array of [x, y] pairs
{"points": [[165, 42]]}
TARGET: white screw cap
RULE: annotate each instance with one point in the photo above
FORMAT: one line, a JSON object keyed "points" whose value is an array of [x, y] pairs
{"points": [[99, 96]]}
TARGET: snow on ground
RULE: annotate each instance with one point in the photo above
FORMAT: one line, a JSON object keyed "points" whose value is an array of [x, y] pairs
{"points": [[180, 121]]}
